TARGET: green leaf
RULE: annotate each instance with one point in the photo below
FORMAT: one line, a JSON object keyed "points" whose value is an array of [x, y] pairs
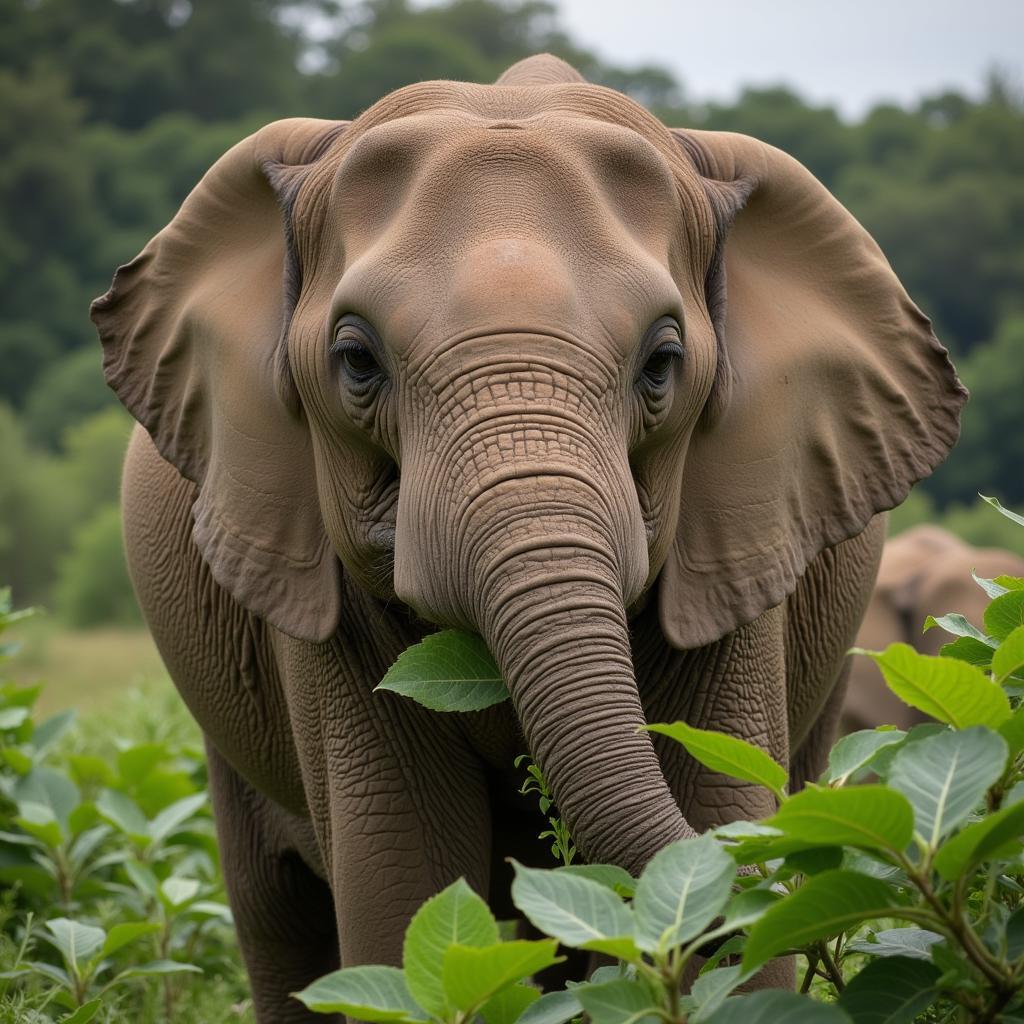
{"points": [[44, 785], [615, 878], [172, 818], [868, 817], [122, 934], [727, 754], [508, 1005], [823, 906], [748, 906], [123, 813], [1012, 730], [471, 975], [142, 877], [11, 718], [814, 860], [991, 587], [949, 690], [1010, 655], [84, 1013], [553, 1008], [855, 751], [957, 625], [1005, 614], [945, 776], [774, 1006], [46, 734], [177, 891], [892, 990], [455, 916], [1010, 582], [906, 942], [447, 671], [966, 648], [366, 993], [616, 1002], [575, 910], [977, 842], [38, 820], [1012, 516], [152, 969], [710, 990], [682, 889], [76, 942]]}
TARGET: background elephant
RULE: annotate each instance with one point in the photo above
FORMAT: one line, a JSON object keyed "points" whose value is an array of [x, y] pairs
{"points": [[518, 359], [924, 571]]}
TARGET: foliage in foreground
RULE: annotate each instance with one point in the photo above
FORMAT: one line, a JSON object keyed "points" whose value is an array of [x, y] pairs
{"points": [[113, 900], [900, 896]]}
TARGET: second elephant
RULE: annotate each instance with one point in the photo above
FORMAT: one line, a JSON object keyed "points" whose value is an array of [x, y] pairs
{"points": [[924, 571]]}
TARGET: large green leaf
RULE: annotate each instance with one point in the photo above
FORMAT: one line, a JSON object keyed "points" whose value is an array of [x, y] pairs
{"points": [[615, 878], [855, 751], [979, 841], [870, 817], [173, 818], [455, 916], [472, 974], [619, 1001], [575, 910], [682, 889], [906, 942], [1010, 656], [76, 942], [47, 786], [773, 1006], [710, 990], [823, 906], [727, 754], [122, 934], [553, 1008], [966, 648], [958, 625], [84, 1013], [447, 671], [366, 993], [1012, 730], [945, 688], [945, 776], [890, 990], [124, 814], [1005, 614], [508, 1005]]}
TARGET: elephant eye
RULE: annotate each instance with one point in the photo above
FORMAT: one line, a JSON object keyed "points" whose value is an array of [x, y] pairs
{"points": [[358, 361], [351, 347], [660, 363]]}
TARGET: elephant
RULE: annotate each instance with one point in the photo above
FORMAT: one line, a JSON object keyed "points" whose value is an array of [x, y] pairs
{"points": [[924, 571], [519, 359]]}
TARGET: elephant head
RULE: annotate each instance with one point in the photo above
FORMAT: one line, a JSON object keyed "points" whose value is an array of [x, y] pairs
{"points": [[523, 357]]}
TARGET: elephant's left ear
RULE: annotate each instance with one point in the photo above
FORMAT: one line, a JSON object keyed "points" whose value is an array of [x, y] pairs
{"points": [[192, 332], [838, 397]]}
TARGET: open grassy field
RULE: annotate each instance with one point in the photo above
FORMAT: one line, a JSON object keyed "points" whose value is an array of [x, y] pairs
{"points": [[84, 669]]}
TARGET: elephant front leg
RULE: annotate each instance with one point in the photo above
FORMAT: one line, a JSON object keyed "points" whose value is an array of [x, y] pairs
{"points": [[282, 910]]}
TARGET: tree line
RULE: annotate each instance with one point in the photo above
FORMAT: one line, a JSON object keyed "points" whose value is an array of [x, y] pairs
{"points": [[111, 110]]}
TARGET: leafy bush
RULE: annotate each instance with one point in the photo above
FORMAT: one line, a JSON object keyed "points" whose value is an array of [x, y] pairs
{"points": [[902, 895], [108, 853]]}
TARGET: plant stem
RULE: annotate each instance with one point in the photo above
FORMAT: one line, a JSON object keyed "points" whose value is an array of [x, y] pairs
{"points": [[834, 974]]}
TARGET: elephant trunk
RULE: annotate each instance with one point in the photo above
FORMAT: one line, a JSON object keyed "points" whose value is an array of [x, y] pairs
{"points": [[543, 563], [564, 651]]}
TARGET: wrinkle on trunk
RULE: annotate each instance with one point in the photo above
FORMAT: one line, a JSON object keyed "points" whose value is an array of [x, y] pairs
{"points": [[558, 631]]}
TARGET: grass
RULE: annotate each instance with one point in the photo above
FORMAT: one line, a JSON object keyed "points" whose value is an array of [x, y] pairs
{"points": [[85, 669]]}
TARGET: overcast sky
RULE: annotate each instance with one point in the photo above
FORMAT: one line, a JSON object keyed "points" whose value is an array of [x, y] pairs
{"points": [[848, 52]]}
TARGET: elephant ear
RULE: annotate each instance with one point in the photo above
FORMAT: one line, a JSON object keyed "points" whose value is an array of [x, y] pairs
{"points": [[835, 398], [193, 345]]}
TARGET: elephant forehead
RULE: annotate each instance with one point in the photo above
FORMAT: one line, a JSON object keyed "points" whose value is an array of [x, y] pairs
{"points": [[433, 183], [507, 222]]}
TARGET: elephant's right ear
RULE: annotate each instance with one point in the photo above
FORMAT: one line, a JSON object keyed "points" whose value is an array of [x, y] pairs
{"points": [[193, 345]]}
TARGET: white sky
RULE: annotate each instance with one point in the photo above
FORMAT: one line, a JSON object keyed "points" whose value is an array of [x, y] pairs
{"points": [[847, 52]]}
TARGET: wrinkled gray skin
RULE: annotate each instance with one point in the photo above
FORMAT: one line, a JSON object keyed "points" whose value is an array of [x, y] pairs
{"points": [[283, 560]]}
